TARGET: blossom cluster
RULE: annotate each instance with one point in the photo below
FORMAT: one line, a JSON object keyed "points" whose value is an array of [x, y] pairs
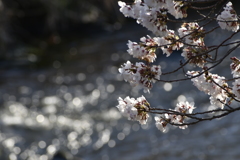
{"points": [[213, 85], [140, 74], [152, 14], [228, 18], [193, 36], [177, 116], [134, 109], [235, 67], [192, 33], [169, 43], [145, 50]]}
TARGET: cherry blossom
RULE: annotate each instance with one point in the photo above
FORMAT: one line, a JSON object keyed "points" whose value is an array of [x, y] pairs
{"points": [[228, 18], [177, 9], [154, 19], [155, 15], [156, 3], [173, 117], [145, 50], [236, 88], [140, 74], [169, 43], [184, 107], [134, 109], [195, 56], [126, 9], [192, 33], [161, 123], [235, 67], [207, 83], [193, 36]]}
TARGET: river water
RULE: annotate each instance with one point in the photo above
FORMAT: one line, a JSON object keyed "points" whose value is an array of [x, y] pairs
{"points": [[68, 109]]}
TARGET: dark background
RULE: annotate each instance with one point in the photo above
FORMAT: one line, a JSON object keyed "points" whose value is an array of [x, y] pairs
{"points": [[43, 26]]}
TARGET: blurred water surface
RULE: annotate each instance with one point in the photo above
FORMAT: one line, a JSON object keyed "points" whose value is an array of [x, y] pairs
{"points": [[68, 109]]}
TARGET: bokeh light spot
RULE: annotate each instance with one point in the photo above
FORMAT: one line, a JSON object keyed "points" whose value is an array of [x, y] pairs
{"points": [[167, 86]]}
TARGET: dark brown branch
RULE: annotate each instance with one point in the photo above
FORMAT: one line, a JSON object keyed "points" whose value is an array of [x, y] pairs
{"points": [[217, 62], [199, 1], [207, 119], [193, 115]]}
